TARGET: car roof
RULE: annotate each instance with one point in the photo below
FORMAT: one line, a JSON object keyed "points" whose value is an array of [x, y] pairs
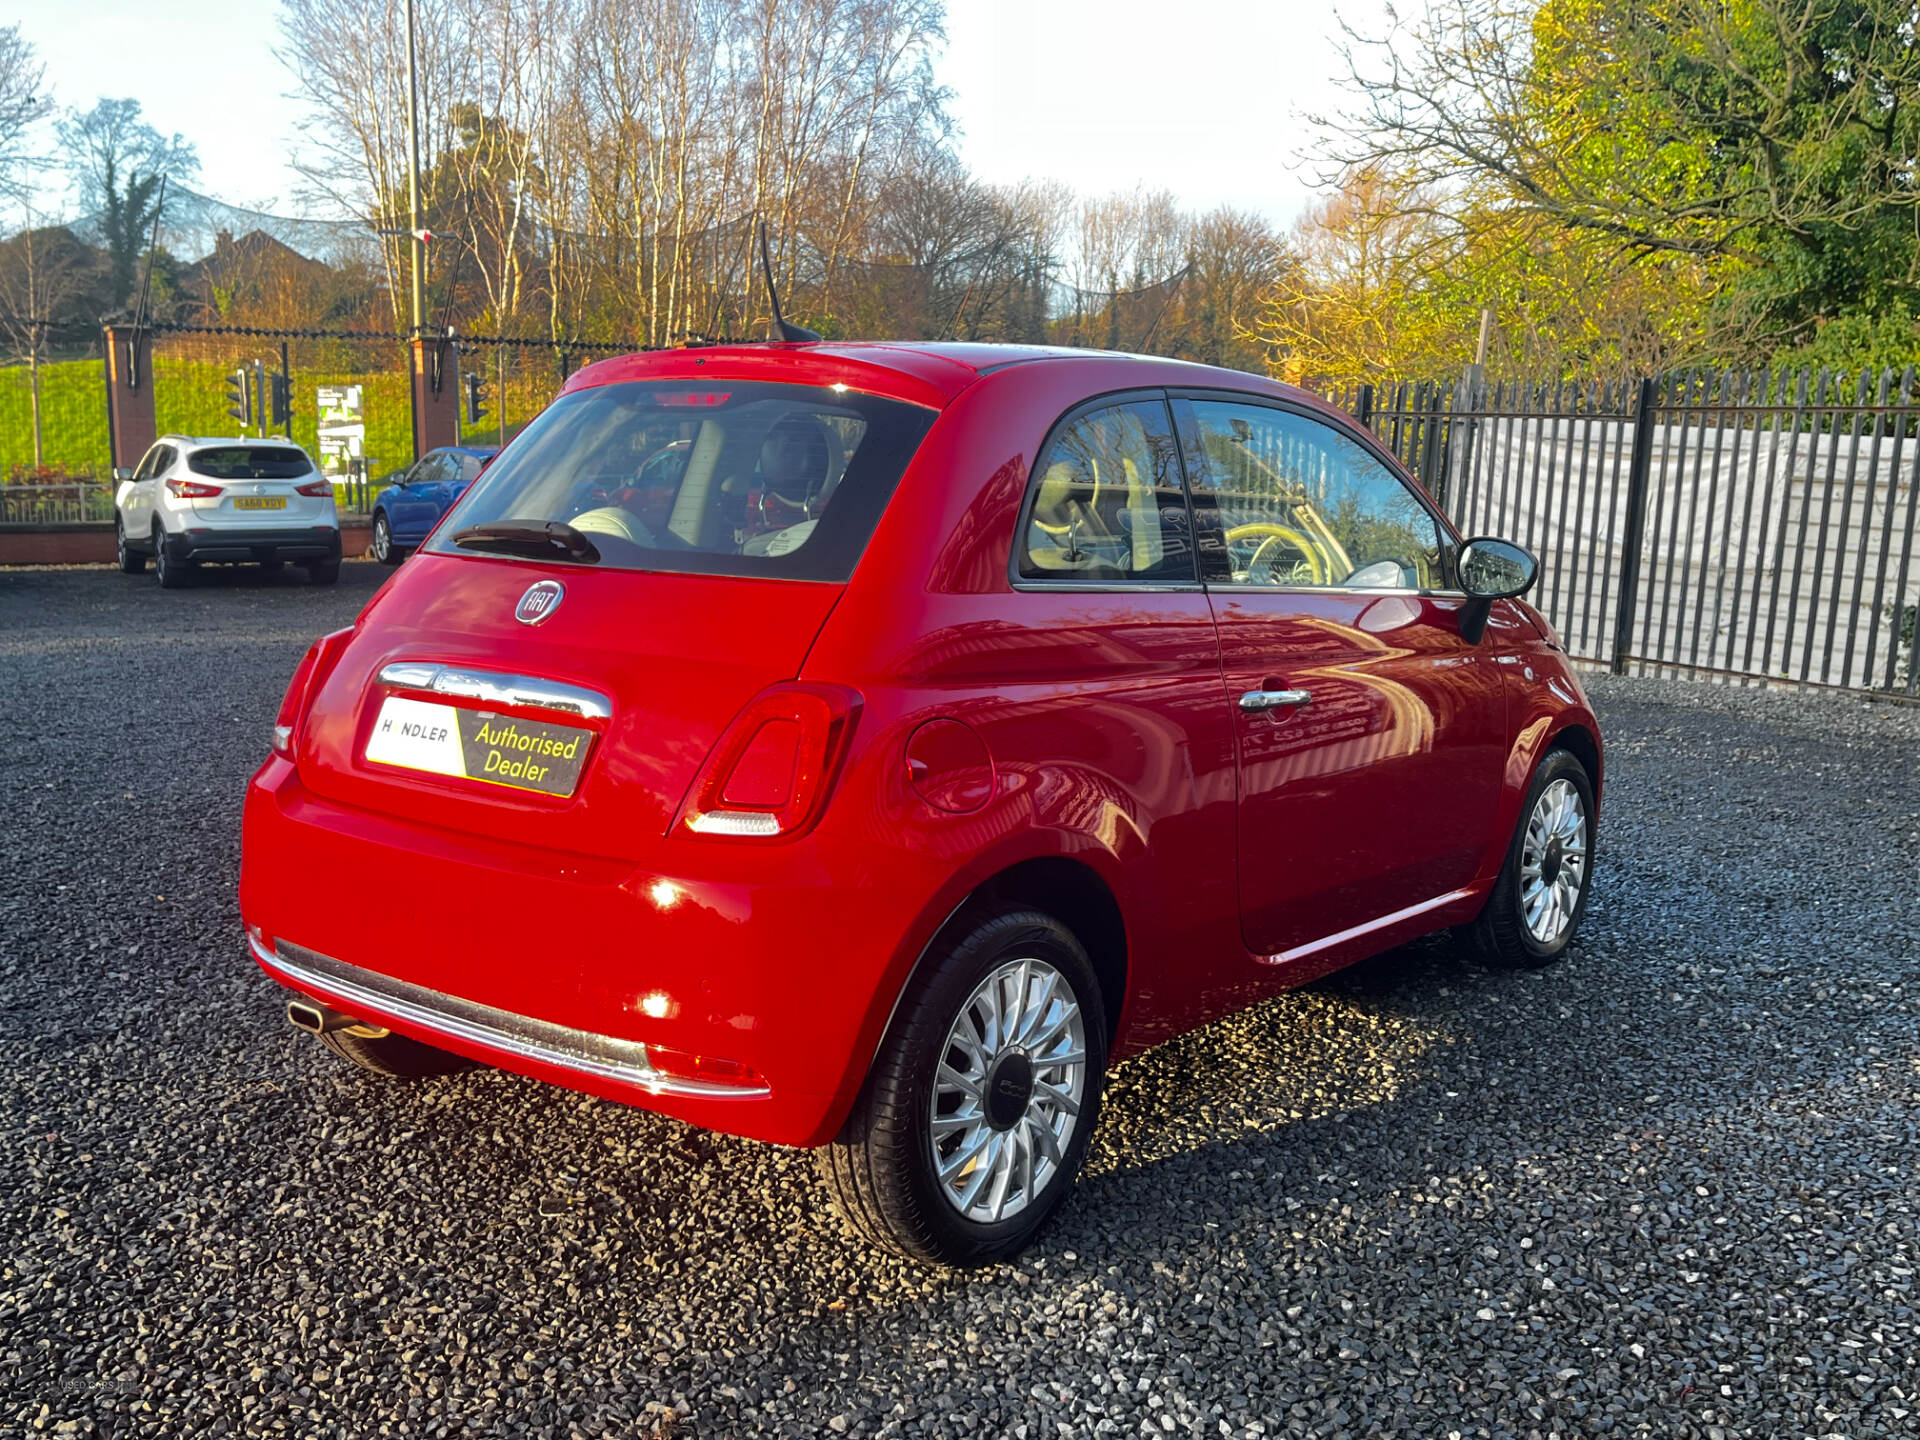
{"points": [[466, 449], [200, 441], [928, 372]]}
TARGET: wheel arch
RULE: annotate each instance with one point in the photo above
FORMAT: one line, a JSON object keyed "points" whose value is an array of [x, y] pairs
{"points": [[1580, 742], [1069, 888], [1076, 895]]}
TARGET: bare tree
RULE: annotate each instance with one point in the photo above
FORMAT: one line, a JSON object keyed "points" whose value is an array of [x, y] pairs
{"points": [[39, 269], [1234, 262], [603, 164], [351, 60], [22, 102]]}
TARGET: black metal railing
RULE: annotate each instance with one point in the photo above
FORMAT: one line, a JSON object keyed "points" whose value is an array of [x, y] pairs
{"points": [[1724, 524], [79, 502]]}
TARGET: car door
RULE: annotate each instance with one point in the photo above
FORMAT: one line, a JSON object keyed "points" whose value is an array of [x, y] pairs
{"points": [[415, 506], [1370, 734], [137, 508], [1106, 670]]}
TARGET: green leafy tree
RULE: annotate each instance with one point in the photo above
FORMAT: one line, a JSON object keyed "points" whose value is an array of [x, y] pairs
{"points": [[1770, 140]]}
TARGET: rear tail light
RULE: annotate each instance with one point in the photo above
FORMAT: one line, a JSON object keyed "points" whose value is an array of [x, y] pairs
{"points": [[319, 489], [312, 669], [291, 702], [192, 490], [771, 772]]}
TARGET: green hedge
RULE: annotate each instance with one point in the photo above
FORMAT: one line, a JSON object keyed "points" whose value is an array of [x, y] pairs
{"points": [[190, 398], [73, 417]]}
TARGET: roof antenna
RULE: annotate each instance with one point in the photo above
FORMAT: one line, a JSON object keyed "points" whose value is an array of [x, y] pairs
{"points": [[781, 326]]}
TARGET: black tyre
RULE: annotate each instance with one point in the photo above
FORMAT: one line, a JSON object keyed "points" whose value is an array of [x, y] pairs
{"points": [[1536, 906], [132, 562], [381, 547], [323, 572], [171, 573], [397, 1056], [976, 1115]]}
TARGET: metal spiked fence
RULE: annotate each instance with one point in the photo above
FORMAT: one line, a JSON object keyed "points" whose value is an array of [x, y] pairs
{"points": [[192, 366], [1723, 524], [508, 380]]}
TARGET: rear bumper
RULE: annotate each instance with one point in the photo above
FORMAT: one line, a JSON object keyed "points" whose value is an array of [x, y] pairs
{"points": [[565, 967], [289, 542], [452, 1022]]}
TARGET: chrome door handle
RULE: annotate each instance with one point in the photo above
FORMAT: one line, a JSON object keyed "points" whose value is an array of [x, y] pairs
{"points": [[1274, 699]]}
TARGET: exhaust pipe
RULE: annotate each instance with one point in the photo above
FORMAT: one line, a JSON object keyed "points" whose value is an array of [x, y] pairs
{"points": [[315, 1018]]}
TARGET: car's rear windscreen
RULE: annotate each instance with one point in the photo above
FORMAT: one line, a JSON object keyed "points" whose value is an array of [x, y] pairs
{"points": [[722, 478], [250, 462]]}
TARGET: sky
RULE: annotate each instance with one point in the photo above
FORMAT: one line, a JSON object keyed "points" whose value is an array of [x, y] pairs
{"points": [[1216, 115]]}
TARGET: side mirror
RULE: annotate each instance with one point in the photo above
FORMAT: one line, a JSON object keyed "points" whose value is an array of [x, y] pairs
{"points": [[1490, 570], [122, 472]]}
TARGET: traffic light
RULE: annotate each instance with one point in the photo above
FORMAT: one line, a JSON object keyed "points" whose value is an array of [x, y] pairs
{"points": [[279, 401], [240, 397], [476, 397]]}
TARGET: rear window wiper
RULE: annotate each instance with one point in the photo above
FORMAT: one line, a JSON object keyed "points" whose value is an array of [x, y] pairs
{"points": [[543, 540]]}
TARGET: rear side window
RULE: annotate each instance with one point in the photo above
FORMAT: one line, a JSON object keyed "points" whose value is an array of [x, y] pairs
{"points": [[1107, 504], [727, 478], [432, 469], [249, 462]]}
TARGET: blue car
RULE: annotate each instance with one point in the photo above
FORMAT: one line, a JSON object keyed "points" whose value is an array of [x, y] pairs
{"points": [[412, 505]]}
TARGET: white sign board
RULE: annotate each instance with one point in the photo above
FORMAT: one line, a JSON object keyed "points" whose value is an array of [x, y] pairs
{"points": [[343, 428]]}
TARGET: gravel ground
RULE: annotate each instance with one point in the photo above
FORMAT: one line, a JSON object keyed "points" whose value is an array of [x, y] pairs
{"points": [[1666, 1188]]}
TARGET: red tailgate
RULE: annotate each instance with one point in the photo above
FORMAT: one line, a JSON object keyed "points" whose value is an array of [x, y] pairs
{"points": [[674, 656]]}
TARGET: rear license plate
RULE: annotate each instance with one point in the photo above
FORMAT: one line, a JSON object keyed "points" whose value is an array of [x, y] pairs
{"points": [[260, 502], [478, 745]]}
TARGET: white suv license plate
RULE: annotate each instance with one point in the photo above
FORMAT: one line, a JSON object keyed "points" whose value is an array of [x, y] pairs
{"points": [[478, 745]]}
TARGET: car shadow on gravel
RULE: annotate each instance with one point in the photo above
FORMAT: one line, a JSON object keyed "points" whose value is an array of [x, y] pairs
{"points": [[245, 577]]}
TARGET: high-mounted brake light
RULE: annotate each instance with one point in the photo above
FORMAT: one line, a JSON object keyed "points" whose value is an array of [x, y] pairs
{"points": [[192, 490], [319, 489], [771, 772], [693, 397]]}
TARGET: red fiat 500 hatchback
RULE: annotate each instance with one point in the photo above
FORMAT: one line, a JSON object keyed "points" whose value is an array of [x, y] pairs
{"points": [[861, 746]]}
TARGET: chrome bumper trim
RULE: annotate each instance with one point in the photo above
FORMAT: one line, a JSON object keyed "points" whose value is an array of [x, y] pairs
{"points": [[526, 691], [581, 1051]]}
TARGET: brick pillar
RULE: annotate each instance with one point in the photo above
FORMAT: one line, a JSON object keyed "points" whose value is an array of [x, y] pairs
{"points": [[436, 416], [130, 422]]}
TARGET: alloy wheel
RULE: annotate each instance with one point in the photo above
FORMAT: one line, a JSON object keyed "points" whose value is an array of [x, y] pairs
{"points": [[1553, 862], [1008, 1091]]}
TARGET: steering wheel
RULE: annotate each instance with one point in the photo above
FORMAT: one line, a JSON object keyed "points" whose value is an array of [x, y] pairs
{"points": [[1271, 535]]}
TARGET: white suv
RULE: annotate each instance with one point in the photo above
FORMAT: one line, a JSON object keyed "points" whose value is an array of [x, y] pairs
{"points": [[226, 500]]}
